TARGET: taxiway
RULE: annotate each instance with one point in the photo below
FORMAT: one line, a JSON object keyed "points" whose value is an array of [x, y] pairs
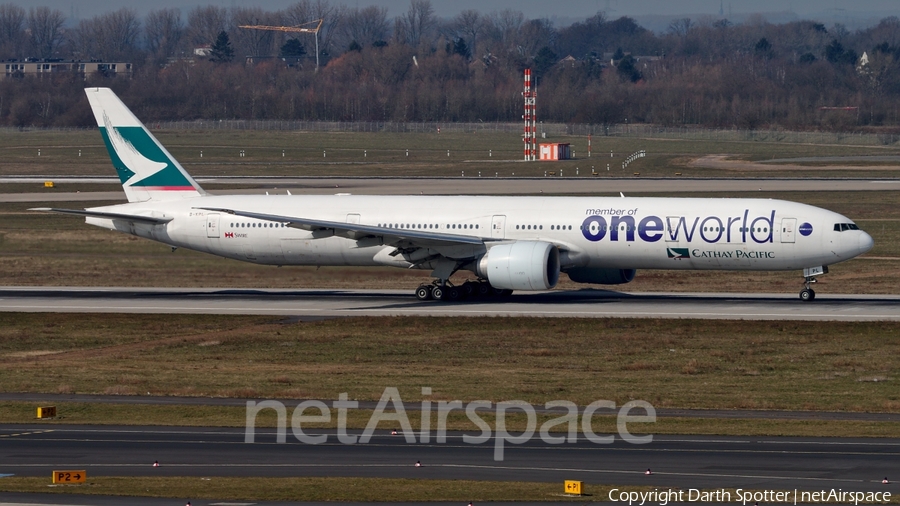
{"points": [[675, 461], [455, 186]]}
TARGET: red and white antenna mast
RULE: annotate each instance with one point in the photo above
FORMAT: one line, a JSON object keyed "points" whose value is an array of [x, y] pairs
{"points": [[530, 119]]}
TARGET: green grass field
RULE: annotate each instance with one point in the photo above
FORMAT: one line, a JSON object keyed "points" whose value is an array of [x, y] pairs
{"points": [[378, 490], [280, 153], [381, 490], [218, 416], [678, 363]]}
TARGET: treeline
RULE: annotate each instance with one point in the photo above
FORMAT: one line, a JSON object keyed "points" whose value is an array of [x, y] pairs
{"points": [[417, 67]]}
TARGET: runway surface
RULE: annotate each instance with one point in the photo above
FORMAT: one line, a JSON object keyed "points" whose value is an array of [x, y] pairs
{"points": [[345, 303], [460, 186], [675, 461]]}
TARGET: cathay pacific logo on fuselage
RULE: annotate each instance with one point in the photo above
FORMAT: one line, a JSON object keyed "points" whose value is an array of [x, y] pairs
{"points": [[709, 229]]}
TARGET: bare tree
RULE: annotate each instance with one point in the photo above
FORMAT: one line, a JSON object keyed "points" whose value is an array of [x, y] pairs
{"points": [[249, 42], [84, 39], [888, 30], [112, 36], [122, 30], [46, 26], [534, 35], [12, 30], [306, 11], [366, 26], [507, 24], [681, 27], [418, 23], [470, 24], [163, 32], [206, 23]]}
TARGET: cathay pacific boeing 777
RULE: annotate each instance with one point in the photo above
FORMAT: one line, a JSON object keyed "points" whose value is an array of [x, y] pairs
{"points": [[508, 243]]}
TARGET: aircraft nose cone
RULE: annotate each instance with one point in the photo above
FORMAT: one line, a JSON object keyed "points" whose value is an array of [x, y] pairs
{"points": [[865, 243]]}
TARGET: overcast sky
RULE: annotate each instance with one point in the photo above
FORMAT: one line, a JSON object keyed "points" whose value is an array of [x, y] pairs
{"points": [[565, 11]]}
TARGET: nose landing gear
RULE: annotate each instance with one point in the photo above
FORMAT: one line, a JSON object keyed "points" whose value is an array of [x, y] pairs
{"points": [[809, 275], [808, 294]]}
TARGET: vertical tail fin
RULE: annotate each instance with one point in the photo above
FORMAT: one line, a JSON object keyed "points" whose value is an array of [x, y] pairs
{"points": [[146, 169]]}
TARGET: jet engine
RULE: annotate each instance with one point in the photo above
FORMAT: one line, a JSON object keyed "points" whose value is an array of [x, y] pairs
{"points": [[601, 276], [522, 265]]}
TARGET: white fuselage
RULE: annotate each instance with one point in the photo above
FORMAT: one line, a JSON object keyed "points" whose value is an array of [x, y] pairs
{"points": [[597, 232]]}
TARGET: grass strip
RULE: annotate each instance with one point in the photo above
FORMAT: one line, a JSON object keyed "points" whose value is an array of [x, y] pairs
{"points": [[516, 421], [387, 490], [699, 364], [302, 489], [426, 154]]}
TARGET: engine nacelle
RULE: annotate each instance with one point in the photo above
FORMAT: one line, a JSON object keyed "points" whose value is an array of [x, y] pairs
{"points": [[601, 276], [522, 265]]}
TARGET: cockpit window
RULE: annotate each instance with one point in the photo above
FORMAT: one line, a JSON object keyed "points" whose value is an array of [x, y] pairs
{"points": [[840, 227]]}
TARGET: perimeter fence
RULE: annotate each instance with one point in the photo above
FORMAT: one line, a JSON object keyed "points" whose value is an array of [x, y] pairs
{"points": [[551, 129]]}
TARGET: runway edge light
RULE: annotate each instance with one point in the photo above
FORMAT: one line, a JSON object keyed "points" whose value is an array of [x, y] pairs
{"points": [[68, 477], [573, 487], [46, 412]]}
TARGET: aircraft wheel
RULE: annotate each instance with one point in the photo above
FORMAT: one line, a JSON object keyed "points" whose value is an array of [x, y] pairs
{"points": [[483, 289], [437, 293], [807, 295], [469, 289], [452, 293], [423, 292]]}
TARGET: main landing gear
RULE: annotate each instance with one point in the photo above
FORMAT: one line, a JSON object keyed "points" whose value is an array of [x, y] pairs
{"points": [[809, 277], [443, 290]]}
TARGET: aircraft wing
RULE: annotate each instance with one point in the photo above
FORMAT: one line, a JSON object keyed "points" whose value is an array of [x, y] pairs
{"points": [[390, 236], [111, 216]]}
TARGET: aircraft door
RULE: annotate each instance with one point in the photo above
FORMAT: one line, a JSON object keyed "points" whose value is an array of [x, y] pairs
{"points": [[788, 230], [212, 225], [498, 227], [353, 218]]}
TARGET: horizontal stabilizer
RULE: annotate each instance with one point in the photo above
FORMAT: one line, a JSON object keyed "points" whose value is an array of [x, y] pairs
{"points": [[110, 216]]}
